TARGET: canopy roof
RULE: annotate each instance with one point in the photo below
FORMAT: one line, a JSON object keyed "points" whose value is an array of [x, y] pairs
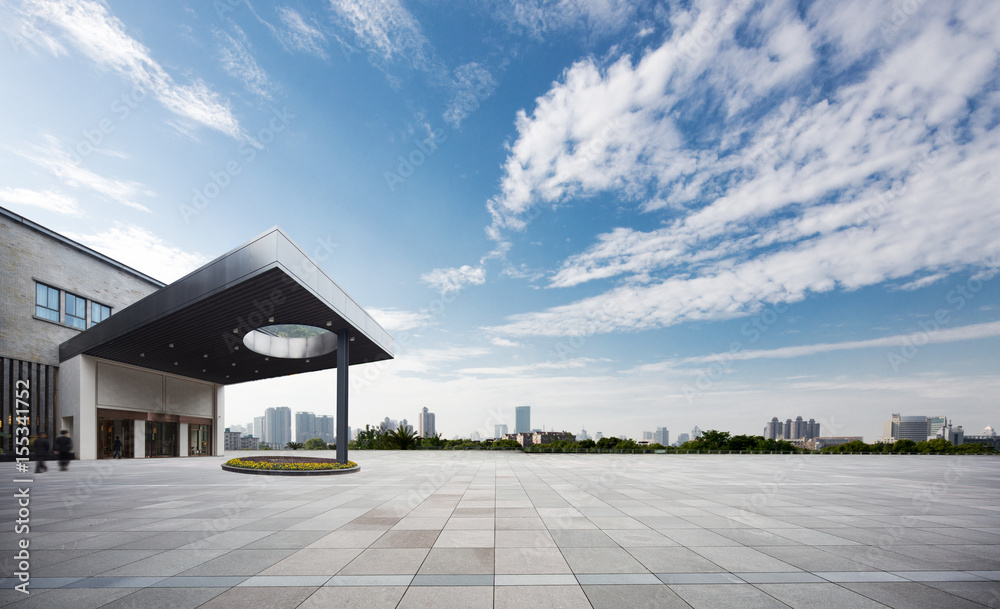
{"points": [[196, 326]]}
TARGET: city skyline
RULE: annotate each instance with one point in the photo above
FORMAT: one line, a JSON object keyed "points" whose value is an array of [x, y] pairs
{"points": [[619, 214]]}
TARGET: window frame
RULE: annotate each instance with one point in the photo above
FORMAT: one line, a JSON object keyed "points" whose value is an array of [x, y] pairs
{"points": [[68, 315], [41, 310], [102, 307]]}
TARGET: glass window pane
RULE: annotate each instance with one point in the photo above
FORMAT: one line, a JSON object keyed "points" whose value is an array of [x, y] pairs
{"points": [[54, 299], [41, 295]]}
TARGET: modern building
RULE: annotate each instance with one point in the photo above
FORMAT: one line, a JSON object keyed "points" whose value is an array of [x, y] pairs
{"points": [[682, 438], [232, 441], [582, 435], [598, 435], [916, 428], [799, 429], [499, 431], [108, 352], [647, 436], [325, 428], [522, 419], [821, 443], [258, 427], [278, 423], [774, 430], [425, 421], [387, 425], [662, 436], [249, 443], [695, 433], [305, 426]]}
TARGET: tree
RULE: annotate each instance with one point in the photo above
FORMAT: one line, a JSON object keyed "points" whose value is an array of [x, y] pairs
{"points": [[506, 443], [403, 438], [369, 438], [608, 443], [293, 445], [588, 443], [315, 444], [903, 446], [713, 440]]}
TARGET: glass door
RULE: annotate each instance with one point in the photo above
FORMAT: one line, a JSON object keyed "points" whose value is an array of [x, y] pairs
{"points": [[200, 440], [161, 439]]}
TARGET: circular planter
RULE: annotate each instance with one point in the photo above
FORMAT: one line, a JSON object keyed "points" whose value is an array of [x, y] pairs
{"points": [[290, 472]]}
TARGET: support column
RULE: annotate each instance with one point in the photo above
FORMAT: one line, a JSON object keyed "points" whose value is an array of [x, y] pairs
{"points": [[343, 361]]}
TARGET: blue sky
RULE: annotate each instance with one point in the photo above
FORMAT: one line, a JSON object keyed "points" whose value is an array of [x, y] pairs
{"points": [[625, 215]]}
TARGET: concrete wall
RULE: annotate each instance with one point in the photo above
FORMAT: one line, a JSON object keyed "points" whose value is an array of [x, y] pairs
{"points": [[27, 255]]}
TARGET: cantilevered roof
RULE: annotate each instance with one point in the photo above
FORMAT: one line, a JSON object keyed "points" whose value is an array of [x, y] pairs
{"points": [[195, 326]]}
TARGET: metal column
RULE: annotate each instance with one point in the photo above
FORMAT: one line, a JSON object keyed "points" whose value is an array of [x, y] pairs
{"points": [[343, 361]]}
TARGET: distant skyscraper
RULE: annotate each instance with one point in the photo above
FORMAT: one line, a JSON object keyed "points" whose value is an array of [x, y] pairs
{"points": [[647, 436], [599, 435], [258, 428], [988, 432], [475, 437], [662, 436], [425, 420], [499, 431], [583, 435], [325, 429], [695, 433], [278, 425], [522, 419], [774, 430], [305, 426], [682, 438], [404, 424], [786, 431]]}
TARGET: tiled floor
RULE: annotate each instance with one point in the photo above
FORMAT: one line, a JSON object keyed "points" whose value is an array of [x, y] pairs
{"points": [[484, 529]]}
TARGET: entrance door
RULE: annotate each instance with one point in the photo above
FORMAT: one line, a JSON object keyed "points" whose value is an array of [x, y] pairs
{"points": [[161, 439], [200, 440], [108, 429]]}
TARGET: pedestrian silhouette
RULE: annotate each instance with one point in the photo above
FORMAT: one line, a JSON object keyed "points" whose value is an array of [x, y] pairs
{"points": [[118, 448], [64, 447], [42, 448]]}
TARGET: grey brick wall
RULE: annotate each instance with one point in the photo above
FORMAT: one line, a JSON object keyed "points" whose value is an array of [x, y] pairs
{"points": [[27, 255]]}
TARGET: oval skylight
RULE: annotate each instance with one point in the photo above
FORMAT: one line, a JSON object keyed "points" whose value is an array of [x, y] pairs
{"points": [[291, 341]]}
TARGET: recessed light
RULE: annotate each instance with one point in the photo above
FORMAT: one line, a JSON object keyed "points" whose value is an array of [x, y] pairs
{"points": [[237, 347], [175, 363], [267, 359], [270, 319], [142, 355], [329, 323], [203, 370], [171, 345], [234, 363], [236, 330], [352, 339], [307, 361], [206, 355]]}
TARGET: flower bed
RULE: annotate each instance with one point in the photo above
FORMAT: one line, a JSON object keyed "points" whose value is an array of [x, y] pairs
{"points": [[289, 466]]}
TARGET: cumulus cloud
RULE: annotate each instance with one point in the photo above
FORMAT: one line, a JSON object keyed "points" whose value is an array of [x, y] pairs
{"points": [[43, 199], [142, 250], [93, 31], [453, 279], [397, 320], [775, 178]]}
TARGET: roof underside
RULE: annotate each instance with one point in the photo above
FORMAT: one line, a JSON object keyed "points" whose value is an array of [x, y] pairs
{"points": [[188, 327]]}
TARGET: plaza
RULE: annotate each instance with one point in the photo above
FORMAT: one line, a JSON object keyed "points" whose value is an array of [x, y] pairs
{"points": [[507, 529]]}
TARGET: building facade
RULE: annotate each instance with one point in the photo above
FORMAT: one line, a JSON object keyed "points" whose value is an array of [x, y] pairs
{"points": [[662, 436], [426, 426], [278, 422], [522, 419]]}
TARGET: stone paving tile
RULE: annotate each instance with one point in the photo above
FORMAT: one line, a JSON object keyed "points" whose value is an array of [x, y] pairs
{"points": [[985, 593], [819, 596], [443, 561], [447, 597], [63, 598], [165, 598], [726, 596], [464, 539], [239, 562], [386, 561], [633, 597], [524, 539], [93, 564], [347, 539], [540, 597], [313, 561], [607, 560], [407, 539], [743, 559], [386, 597], [168, 562], [673, 560], [910, 596], [260, 598], [524, 561]]}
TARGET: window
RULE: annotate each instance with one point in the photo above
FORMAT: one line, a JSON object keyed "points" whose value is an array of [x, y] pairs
{"points": [[76, 311], [98, 313], [46, 302]]}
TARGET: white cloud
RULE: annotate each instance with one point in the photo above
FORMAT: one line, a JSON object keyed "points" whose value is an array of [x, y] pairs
{"points": [[93, 31], [65, 166], [472, 85], [300, 35], [540, 17], [777, 200], [387, 30], [935, 334], [426, 360], [531, 369], [504, 342], [142, 250], [396, 320], [454, 279], [234, 52], [43, 199]]}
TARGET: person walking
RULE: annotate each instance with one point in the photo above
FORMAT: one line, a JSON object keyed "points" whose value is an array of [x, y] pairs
{"points": [[118, 448], [64, 446], [42, 449]]}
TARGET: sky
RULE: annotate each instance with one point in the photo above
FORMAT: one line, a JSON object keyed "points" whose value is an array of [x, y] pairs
{"points": [[625, 215]]}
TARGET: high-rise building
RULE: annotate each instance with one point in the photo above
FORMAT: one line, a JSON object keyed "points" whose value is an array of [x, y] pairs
{"points": [[662, 436], [475, 437], [695, 433], [522, 419], [647, 436], [325, 428], [258, 428], [682, 438], [425, 420], [405, 425], [989, 433], [774, 430], [599, 435], [278, 425], [583, 435], [499, 431], [388, 425], [305, 426]]}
